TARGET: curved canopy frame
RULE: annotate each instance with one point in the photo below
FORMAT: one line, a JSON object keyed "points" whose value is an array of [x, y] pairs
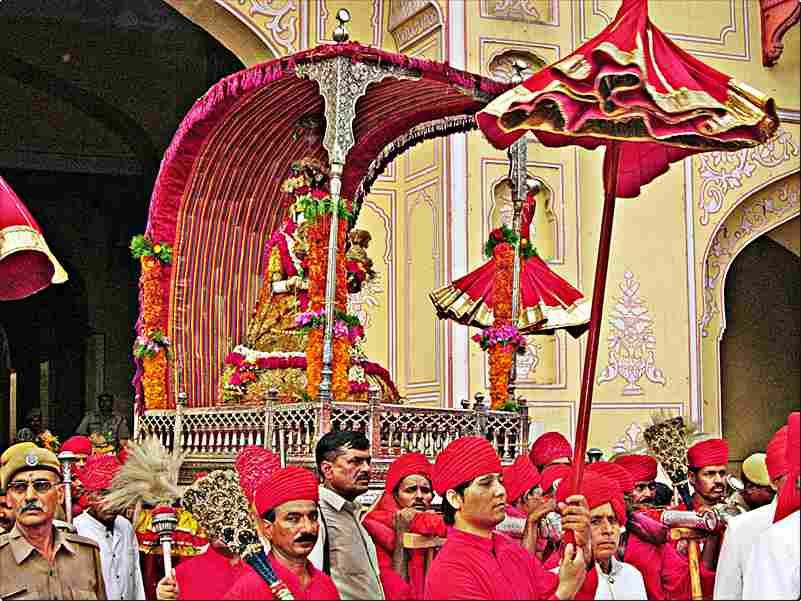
{"points": [[217, 197]]}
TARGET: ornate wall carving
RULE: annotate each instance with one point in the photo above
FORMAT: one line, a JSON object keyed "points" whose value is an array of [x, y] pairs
{"points": [[412, 20], [500, 65]]}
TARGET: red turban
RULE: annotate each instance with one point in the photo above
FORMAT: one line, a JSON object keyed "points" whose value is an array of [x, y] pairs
{"points": [[641, 467], [789, 495], [548, 447], [254, 464], [709, 452], [775, 454], [614, 472], [408, 464], [286, 484], [519, 478], [98, 472], [80, 445], [597, 489], [463, 460], [551, 474]]}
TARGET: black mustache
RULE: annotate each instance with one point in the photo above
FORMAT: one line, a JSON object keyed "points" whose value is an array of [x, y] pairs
{"points": [[306, 538]]}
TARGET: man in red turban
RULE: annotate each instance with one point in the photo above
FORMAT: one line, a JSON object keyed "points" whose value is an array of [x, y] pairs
{"points": [[643, 471], [476, 562], [287, 504], [772, 571], [550, 448], [81, 446], [549, 538], [403, 507], [616, 579], [525, 504], [253, 464], [707, 474], [744, 530], [119, 549]]}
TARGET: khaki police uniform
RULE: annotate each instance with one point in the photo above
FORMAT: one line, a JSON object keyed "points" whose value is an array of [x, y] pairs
{"points": [[27, 574]]}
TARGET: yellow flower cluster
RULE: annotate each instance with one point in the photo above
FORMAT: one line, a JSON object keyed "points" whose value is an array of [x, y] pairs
{"points": [[154, 379]]}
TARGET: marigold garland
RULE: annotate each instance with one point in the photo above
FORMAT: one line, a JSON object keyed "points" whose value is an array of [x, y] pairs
{"points": [[154, 381], [314, 361], [501, 356], [500, 369], [340, 364]]}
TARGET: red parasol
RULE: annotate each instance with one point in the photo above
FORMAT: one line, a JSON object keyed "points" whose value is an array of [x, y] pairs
{"points": [[632, 90], [26, 263]]}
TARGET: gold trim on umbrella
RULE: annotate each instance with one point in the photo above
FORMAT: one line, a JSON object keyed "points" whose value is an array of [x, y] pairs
{"points": [[17, 238]]}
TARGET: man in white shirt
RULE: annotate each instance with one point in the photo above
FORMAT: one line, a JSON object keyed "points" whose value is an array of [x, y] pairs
{"points": [[119, 551], [743, 531], [344, 549], [772, 571]]}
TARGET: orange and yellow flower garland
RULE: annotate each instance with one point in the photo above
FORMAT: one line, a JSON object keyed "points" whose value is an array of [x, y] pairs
{"points": [[501, 356]]}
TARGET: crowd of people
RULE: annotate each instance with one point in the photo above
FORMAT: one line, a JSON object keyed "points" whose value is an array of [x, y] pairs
{"points": [[462, 527]]}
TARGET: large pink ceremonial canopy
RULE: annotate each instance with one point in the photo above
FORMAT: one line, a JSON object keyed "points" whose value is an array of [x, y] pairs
{"points": [[217, 197]]}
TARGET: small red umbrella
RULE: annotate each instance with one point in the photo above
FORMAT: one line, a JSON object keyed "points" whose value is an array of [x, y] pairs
{"points": [[26, 263], [632, 90]]}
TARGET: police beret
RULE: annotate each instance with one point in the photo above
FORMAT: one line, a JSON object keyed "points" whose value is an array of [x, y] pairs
{"points": [[27, 458], [13, 449]]}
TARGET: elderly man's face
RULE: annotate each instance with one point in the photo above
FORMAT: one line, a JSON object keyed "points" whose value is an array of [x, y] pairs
{"points": [[605, 530], [34, 496]]}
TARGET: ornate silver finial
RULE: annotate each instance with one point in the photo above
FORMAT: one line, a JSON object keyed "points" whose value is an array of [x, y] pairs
{"points": [[340, 33], [518, 66], [534, 184]]}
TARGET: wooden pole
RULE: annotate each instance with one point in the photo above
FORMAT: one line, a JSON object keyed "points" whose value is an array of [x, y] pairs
{"points": [[611, 163], [12, 407]]}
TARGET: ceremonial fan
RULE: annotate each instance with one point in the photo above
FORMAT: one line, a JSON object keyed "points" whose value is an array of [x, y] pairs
{"points": [[219, 505]]}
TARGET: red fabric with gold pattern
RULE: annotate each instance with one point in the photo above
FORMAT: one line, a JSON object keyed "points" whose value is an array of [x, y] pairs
{"points": [[714, 451], [98, 472], [631, 85], [597, 489], [614, 472], [463, 460], [253, 464], [286, 484], [408, 464], [775, 454], [641, 467], [519, 478], [549, 446]]}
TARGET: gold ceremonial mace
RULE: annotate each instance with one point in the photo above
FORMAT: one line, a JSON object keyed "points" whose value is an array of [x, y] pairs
{"points": [[692, 536]]}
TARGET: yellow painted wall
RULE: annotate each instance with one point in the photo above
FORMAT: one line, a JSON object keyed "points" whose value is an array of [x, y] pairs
{"points": [[665, 242]]}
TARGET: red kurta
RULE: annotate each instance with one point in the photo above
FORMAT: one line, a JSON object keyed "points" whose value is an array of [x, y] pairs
{"points": [[252, 586], [379, 522], [209, 575], [472, 567]]}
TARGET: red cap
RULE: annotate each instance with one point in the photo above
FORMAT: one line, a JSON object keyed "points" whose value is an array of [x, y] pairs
{"points": [[254, 464], [789, 495], [551, 474], [98, 472], [548, 447], [80, 445], [641, 467], [286, 484], [597, 489], [123, 455], [793, 450], [714, 451], [463, 460], [614, 472], [776, 454], [408, 464], [519, 478]]}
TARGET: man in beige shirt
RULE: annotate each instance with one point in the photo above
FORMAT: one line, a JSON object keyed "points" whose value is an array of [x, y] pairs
{"points": [[38, 561], [344, 549]]}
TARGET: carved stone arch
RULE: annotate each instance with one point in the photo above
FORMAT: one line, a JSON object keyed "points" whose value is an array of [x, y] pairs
{"points": [[410, 21], [229, 27], [760, 211], [500, 63]]}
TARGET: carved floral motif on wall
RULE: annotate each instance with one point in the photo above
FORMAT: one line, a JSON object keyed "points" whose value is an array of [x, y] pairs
{"points": [[631, 341], [756, 215], [722, 172], [279, 21]]}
